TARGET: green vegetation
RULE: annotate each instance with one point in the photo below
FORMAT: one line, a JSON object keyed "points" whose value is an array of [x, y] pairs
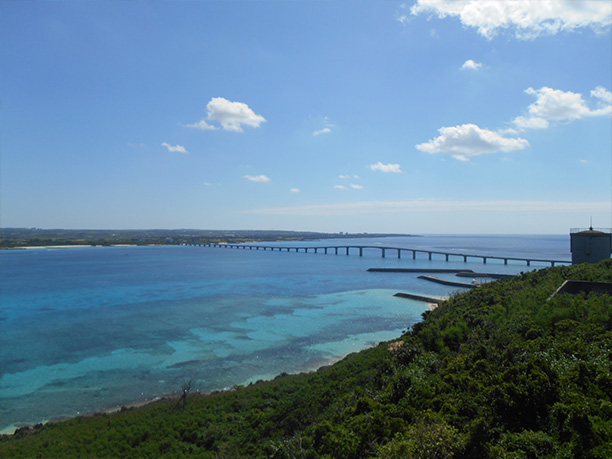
{"points": [[499, 372], [34, 237]]}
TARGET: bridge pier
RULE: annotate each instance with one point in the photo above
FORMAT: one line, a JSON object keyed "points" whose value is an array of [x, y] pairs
{"points": [[382, 249]]}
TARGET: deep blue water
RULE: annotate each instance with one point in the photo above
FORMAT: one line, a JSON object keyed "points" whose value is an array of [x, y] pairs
{"points": [[86, 329]]}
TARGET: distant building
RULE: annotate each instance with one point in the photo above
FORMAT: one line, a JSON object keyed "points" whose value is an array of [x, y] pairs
{"points": [[590, 245]]}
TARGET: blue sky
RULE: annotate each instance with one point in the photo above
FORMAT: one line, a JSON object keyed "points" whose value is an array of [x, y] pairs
{"points": [[416, 117]]}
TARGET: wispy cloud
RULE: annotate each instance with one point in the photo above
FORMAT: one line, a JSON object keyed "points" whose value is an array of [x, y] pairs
{"points": [[295, 190], [433, 205], [380, 167], [325, 130], [346, 176], [257, 178], [356, 186], [202, 125], [339, 187], [528, 19], [231, 115], [471, 65], [175, 148]]}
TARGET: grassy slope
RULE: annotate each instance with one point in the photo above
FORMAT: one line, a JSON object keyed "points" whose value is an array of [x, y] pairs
{"points": [[496, 372]]}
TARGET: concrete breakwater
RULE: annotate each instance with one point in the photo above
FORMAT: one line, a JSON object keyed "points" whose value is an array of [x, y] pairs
{"points": [[426, 299], [489, 275], [457, 272], [417, 270], [448, 282]]}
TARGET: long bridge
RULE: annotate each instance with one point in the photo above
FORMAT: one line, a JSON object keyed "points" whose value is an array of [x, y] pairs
{"points": [[347, 249]]}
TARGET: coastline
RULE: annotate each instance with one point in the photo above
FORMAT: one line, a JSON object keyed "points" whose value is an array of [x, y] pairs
{"points": [[312, 367], [134, 404], [321, 365]]}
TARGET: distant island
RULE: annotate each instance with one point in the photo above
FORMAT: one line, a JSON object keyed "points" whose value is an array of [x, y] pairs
{"points": [[15, 238]]}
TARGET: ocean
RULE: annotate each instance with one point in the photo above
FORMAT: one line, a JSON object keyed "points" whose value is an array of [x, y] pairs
{"points": [[88, 329]]}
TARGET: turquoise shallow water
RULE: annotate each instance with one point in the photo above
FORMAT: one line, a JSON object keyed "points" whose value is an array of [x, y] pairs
{"points": [[86, 329]]}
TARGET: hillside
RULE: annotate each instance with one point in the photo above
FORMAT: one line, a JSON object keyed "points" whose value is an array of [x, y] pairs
{"points": [[499, 372]]}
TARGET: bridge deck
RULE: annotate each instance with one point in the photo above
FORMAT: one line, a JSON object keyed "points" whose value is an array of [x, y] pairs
{"points": [[360, 248]]}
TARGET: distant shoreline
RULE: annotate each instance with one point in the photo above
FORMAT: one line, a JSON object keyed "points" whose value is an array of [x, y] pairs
{"points": [[36, 237], [70, 246]]}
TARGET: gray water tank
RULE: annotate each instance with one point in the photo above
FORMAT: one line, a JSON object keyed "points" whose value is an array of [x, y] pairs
{"points": [[589, 245]]}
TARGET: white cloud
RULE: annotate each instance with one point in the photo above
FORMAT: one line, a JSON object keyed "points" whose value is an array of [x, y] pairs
{"points": [[470, 140], [604, 102], [344, 177], [434, 205], [339, 187], [386, 167], [471, 65], [523, 123], [231, 115], [528, 19], [325, 130], [356, 186], [295, 190], [257, 178], [556, 105], [203, 125], [551, 105], [603, 94], [175, 148]]}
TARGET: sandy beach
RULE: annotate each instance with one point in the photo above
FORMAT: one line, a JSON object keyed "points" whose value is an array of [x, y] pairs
{"points": [[34, 247]]}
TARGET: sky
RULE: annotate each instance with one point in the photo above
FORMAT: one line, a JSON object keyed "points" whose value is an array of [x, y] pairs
{"points": [[420, 117]]}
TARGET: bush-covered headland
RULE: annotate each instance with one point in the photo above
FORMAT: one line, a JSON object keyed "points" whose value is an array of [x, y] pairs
{"points": [[501, 371]]}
